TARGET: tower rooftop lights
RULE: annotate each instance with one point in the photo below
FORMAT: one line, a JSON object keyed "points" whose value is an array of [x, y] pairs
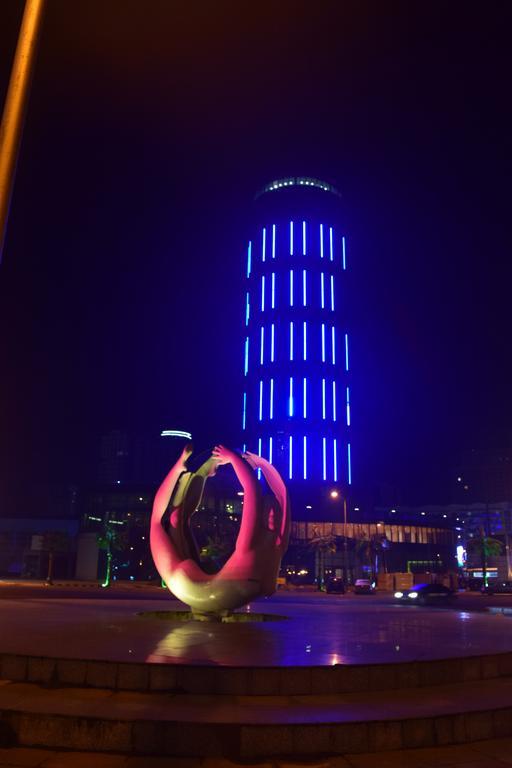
{"points": [[298, 181]]}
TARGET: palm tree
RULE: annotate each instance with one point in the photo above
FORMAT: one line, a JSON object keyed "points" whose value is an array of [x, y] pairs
{"points": [[370, 549], [111, 540], [321, 545], [215, 550], [486, 547], [54, 541]]}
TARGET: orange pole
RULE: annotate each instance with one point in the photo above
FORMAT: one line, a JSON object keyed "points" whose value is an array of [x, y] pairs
{"points": [[15, 106]]}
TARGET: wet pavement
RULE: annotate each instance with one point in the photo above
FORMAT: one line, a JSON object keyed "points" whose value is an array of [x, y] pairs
{"points": [[318, 630]]}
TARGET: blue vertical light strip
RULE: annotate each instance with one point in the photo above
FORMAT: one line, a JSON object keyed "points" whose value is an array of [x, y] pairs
{"points": [[343, 252], [262, 345], [332, 293], [334, 401], [291, 238], [335, 460], [303, 238], [321, 241], [333, 345], [324, 458], [304, 340], [273, 241], [259, 454], [291, 287], [305, 457], [346, 351], [348, 407], [244, 447], [304, 398], [331, 248], [323, 398], [322, 290], [272, 343], [291, 340], [247, 310], [323, 342], [271, 411], [244, 411], [273, 291], [270, 450], [263, 293], [249, 258], [246, 356], [264, 244], [349, 465], [290, 457], [261, 401], [290, 398], [304, 289]]}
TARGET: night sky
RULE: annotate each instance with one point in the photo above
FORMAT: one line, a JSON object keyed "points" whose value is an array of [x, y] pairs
{"points": [[150, 127]]}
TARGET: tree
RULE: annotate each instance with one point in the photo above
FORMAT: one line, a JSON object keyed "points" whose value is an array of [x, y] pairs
{"points": [[111, 540], [485, 547], [54, 541], [321, 545], [216, 550], [372, 549]]}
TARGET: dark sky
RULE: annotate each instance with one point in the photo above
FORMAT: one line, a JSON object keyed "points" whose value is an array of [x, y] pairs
{"points": [[150, 126]]}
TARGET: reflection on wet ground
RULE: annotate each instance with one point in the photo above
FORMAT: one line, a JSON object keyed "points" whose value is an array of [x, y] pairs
{"points": [[320, 630]]}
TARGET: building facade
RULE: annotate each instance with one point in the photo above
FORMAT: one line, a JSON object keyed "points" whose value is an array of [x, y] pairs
{"points": [[296, 348]]}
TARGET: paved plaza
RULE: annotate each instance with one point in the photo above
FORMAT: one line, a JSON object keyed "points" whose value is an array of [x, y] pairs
{"points": [[302, 676], [316, 630], [494, 753]]}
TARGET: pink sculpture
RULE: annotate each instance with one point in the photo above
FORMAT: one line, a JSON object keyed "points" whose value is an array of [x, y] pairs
{"points": [[252, 569]]}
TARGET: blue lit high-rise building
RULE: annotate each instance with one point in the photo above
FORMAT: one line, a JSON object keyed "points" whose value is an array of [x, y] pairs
{"points": [[296, 351]]}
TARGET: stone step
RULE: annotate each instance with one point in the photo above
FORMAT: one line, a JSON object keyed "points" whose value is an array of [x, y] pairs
{"points": [[253, 727], [252, 681]]}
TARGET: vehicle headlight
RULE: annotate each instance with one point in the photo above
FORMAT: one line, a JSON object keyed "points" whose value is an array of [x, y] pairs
{"points": [[412, 595], [399, 594]]}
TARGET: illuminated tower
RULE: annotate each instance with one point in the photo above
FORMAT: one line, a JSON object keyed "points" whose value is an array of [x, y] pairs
{"points": [[296, 356]]}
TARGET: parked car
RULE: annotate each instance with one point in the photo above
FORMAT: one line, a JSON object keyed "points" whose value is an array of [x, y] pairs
{"points": [[426, 594], [498, 588], [335, 585], [364, 587]]}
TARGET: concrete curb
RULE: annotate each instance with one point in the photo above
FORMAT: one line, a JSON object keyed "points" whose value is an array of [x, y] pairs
{"points": [[248, 742], [252, 681]]}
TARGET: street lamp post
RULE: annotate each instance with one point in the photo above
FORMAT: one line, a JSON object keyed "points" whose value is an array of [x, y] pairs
{"points": [[16, 104], [334, 495], [345, 539]]}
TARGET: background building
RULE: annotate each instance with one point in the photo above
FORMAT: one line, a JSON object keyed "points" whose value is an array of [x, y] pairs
{"points": [[296, 362]]}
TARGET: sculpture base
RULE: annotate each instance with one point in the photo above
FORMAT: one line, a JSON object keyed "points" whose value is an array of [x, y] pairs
{"points": [[217, 618]]}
